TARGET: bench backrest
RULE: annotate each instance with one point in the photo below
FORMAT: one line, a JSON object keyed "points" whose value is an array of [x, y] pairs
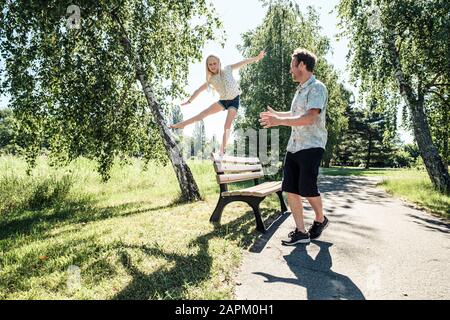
{"points": [[236, 169]]}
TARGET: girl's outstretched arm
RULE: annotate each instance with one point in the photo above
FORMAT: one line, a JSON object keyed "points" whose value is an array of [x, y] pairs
{"points": [[260, 56], [196, 93]]}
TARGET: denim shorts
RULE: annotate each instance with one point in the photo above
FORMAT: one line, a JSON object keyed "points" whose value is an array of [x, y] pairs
{"points": [[226, 104]]}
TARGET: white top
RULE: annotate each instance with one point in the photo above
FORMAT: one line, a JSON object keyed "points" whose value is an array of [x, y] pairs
{"points": [[225, 84], [311, 95]]}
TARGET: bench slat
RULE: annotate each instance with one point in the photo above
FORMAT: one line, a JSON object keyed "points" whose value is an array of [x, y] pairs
{"points": [[216, 158], [257, 188], [230, 178], [260, 190], [228, 167]]}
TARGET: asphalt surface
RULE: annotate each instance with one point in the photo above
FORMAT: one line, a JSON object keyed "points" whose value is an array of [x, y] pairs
{"points": [[376, 247]]}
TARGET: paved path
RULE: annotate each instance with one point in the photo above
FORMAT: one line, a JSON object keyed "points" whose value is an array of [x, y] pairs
{"points": [[376, 247]]}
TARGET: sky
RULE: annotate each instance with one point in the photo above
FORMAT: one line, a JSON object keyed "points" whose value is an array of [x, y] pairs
{"points": [[238, 17]]}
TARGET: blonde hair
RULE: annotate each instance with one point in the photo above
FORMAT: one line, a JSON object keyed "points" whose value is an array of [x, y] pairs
{"points": [[209, 74]]}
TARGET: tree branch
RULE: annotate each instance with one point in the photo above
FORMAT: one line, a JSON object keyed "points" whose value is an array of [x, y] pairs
{"points": [[432, 82], [400, 45], [440, 96]]}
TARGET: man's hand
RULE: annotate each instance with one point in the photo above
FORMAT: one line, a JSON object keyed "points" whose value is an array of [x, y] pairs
{"points": [[268, 120], [261, 55], [269, 109]]}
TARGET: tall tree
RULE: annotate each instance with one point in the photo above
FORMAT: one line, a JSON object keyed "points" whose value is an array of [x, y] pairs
{"points": [[175, 117], [89, 77], [214, 144], [371, 137], [199, 139], [401, 47], [284, 29], [437, 107], [7, 129]]}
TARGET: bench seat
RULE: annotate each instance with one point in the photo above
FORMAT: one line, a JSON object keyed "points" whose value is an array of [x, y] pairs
{"points": [[260, 190]]}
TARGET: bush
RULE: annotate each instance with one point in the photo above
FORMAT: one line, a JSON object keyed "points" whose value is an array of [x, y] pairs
{"points": [[32, 193], [419, 164], [49, 192], [403, 159]]}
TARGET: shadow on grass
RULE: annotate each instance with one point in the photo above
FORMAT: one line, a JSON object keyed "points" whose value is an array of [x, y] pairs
{"points": [[187, 270], [25, 222], [83, 250], [439, 208], [42, 269]]}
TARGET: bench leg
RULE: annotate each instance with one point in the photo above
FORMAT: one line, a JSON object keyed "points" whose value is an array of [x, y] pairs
{"points": [[217, 214], [254, 203], [282, 203]]}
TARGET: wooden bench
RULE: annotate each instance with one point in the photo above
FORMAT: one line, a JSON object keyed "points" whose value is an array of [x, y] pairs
{"points": [[237, 169]]}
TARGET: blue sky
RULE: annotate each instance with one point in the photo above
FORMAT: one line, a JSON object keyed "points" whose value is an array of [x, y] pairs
{"points": [[239, 16]]}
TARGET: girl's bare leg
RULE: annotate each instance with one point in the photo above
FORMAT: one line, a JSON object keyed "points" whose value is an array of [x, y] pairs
{"points": [[227, 129], [214, 108]]}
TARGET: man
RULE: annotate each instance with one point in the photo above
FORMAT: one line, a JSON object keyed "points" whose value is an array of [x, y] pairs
{"points": [[306, 145]]}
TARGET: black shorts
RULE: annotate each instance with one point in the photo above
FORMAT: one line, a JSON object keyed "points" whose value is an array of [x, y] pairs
{"points": [[300, 172], [234, 103]]}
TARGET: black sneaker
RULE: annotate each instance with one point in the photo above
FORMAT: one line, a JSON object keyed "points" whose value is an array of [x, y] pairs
{"points": [[317, 228], [290, 234], [296, 237]]}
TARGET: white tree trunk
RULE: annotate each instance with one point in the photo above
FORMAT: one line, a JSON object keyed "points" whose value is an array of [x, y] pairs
{"points": [[188, 186], [435, 167]]}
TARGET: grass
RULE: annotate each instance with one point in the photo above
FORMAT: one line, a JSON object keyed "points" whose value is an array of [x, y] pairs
{"points": [[351, 171], [66, 235], [412, 185], [127, 239]]}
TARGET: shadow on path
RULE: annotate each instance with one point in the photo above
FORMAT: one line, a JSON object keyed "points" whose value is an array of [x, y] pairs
{"points": [[431, 223], [316, 276]]}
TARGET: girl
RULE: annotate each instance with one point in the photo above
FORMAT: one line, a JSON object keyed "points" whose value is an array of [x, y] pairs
{"points": [[222, 81]]}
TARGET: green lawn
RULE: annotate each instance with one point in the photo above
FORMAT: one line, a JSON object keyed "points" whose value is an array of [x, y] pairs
{"points": [[411, 185], [130, 238]]}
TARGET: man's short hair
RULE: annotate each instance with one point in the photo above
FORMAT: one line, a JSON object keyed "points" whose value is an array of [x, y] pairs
{"points": [[305, 56]]}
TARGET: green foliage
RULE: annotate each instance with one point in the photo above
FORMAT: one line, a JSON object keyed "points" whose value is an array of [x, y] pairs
{"points": [[50, 191], [402, 159], [284, 29], [421, 33], [7, 128], [76, 89], [34, 193], [438, 114], [371, 138], [401, 47]]}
